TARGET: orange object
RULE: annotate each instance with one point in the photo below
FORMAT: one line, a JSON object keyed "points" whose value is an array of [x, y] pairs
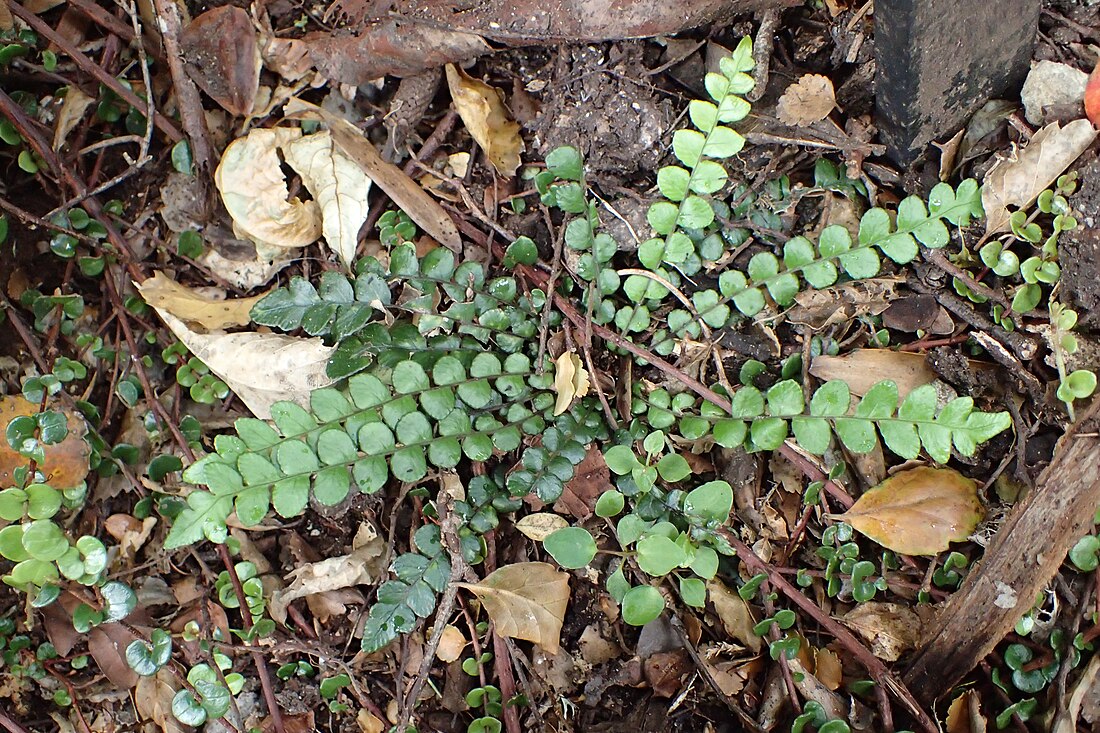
{"points": [[1092, 96]]}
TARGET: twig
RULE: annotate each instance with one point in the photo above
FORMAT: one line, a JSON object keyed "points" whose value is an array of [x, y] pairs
{"points": [[110, 23], [257, 655], [448, 525], [871, 663], [41, 27], [10, 725], [762, 53], [187, 95]]}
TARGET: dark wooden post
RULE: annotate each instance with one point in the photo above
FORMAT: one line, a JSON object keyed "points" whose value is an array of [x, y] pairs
{"points": [[938, 61]]}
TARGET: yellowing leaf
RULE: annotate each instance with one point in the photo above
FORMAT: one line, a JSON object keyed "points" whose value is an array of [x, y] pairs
{"points": [[260, 368], [338, 185], [808, 100], [918, 512], [193, 308], [1018, 181], [488, 121], [539, 526], [253, 188], [526, 600], [570, 381]]}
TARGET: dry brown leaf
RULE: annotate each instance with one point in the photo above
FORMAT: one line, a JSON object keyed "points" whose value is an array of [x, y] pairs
{"points": [[253, 188], [890, 628], [451, 644], [828, 669], [194, 308], [72, 112], [488, 121], [917, 512], [1017, 181], [260, 368], [540, 525], [222, 55], [526, 600], [362, 566], [664, 671], [339, 187], [594, 648], [842, 303], [1084, 701], [7, 22], [814, 689], [808, 100], [965, 714], [734, 613], [65, 464], [590, 480], [153, 700], [130, 533], [403, 190], [570, 381], [107, 644]]}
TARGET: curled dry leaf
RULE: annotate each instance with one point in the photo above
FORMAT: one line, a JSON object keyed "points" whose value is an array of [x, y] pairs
{"points": [[890, 628], [570, 381], [808, 100], [362, 566], [194, 308], [403, 190], [72, 112], [338, 185], [526, 600], [541, 525], [917, 512], [1016, 182], [65, 464], [260, 368], [965, 714], [253, 188], [488, 121]]}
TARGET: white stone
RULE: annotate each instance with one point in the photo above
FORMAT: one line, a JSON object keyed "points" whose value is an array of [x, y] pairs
{"points": [[1050, 83]]}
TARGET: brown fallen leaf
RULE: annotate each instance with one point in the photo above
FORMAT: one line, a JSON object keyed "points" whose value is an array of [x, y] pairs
{"points": [[664, 671], [570, 381], [153, 700], [828, 669], [526, 600], [965, 714], [488, 121], [1017, 181], [917, 512], [591, 479], [451, 644], [808, 100], [368, 722], [72, 112], [65, 464], [842, 303], [863, 368], [734, 613], [404, 191], [890, 628], [223, 57], [193, 307]]}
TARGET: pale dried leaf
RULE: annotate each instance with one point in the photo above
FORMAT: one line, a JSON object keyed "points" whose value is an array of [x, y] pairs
{"points": [[526, 600], [965, 715], [541, 525], [368, 722], [153, 700], [917, 512], [843, 303], [890, 628], [72, 112], [1016, 182], [451, 644], [595, 649], [488, 121], [260, 368], [7, 22], [734, 613], [808, 100], [814, 689], [363, 566], [570, 381], [254, 190], [130, 533], [1083, 702], [338, 185], [403, 190], [193, 307], [245, 273]]}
